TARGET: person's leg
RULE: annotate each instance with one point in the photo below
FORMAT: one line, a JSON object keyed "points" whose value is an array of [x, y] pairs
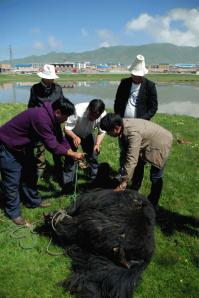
{"points": [[58, 169], [29, 180], [10, 174], [138, 175], [156, 177], [69, 169], [91, 156], [40, 158]]}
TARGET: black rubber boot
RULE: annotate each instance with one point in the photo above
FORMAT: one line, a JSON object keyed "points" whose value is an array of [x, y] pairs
{"points": [[156, 189]]}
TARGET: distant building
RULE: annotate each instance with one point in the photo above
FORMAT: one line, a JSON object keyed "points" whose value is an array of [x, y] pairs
{"points": [[176, 68], [184, 68], [5, 68], [159, 68], [88, 67], [103, 67], [64, 67], [27, 67]]}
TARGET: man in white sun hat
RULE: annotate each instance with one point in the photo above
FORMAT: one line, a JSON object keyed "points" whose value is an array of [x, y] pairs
{"points": [[45, 90], [136, 97]]}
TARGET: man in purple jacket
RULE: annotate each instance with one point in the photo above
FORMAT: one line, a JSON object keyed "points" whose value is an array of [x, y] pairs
{"points": [[17, 162]]}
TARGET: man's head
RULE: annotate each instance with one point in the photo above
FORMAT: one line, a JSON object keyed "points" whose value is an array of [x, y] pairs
{"points": [[95, 108], [48, 74], [138, 69], [112, 124], [63, 108]]}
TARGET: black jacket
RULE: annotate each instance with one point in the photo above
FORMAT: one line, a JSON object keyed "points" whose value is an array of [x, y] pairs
{"points": [[147, 103], [40, 94]]}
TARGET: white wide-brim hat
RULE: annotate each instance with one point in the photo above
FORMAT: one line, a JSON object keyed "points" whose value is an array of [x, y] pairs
{"points": [[137, 68], [48, 72]]}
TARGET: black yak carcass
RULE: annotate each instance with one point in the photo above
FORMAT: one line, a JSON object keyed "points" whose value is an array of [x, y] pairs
{"points": [[110, 238]]}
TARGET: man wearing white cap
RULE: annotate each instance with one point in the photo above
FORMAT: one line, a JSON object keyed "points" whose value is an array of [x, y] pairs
{"points": [[136, 97], [45, 90]]}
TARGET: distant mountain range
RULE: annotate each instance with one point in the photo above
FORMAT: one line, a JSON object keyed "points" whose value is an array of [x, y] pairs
{"points": [[154, 54]]}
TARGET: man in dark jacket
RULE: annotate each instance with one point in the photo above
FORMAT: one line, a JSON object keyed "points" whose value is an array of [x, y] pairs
{"points": [[46, 90], [17, 162], [136, 97]]}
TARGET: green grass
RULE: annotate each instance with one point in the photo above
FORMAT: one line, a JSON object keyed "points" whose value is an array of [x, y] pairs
{"points": [[174, 270], [170, 78]]}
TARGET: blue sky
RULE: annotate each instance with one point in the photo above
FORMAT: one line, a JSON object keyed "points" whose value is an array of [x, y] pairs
{"points": [[35, 27]]}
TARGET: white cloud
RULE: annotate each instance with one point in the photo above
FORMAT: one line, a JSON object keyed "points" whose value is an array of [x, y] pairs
{"points": [[84, 32], [140, 23], [105, 44], [51, 44], [54, 43], [180, 26], [35, 30], [107, 38], [38, 45]]}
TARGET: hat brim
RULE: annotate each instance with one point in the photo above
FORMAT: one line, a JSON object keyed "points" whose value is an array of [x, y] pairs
{"points": [[139, 73], [43, 76]]}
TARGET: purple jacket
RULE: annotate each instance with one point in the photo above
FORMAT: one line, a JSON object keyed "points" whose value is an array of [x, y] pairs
{"points": [[32, 125]]}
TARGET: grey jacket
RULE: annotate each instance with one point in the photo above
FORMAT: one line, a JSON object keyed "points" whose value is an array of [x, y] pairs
{"points": [[145, 139]]}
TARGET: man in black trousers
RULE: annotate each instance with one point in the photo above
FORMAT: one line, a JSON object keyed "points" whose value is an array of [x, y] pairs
{"points": [[46, 90], [136, 97]]}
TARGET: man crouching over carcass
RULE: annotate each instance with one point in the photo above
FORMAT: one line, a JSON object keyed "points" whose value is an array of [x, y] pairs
{"points": [[142, 141]]}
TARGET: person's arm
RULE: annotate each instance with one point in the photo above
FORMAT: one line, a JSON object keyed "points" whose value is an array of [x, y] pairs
{"points": [[68, 129], [45, 132], [118, 97], [98, 143], [131, 160], [152, 101], [33, 101], [100, 135], [61, 91], [73, 136], [75, 155], [122, 186]]}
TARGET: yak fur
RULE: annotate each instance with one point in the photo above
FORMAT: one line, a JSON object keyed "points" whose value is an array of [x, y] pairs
{"points": [[110, 238]]}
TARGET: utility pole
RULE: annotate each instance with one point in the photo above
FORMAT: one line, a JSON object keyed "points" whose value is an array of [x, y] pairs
{"points": [[10, 51]]}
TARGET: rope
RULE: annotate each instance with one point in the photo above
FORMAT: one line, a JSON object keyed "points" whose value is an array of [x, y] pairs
{"points": [[6, 229], [59, 215], [73, 197], [76, 181], [31, 246], [30, 229], [53, 253], [12, 232]]}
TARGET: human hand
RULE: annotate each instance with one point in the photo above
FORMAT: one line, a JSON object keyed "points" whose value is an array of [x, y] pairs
{"points": [[76, 141], [121, 187], [75, 155], [97, 149], [78, 155]]}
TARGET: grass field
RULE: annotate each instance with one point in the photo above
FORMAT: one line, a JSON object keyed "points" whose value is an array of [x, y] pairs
{"points": [[27, 270], [170, 78]]}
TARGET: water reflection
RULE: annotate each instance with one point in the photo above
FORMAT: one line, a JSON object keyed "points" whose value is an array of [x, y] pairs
{"points": [[172, 98]]}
